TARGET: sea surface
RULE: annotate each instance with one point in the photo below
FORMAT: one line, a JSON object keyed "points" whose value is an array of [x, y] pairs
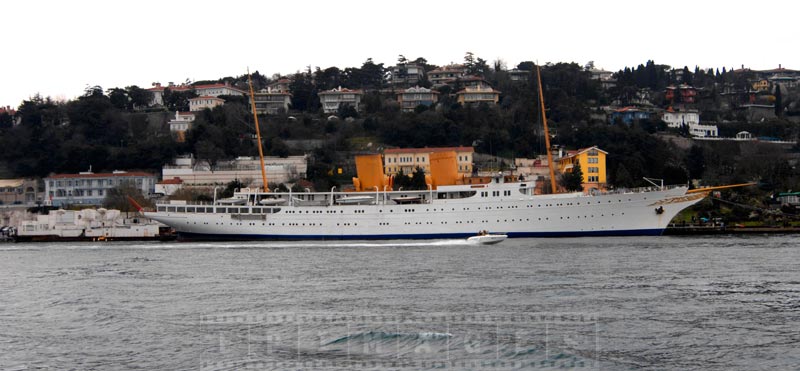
{"points": [[672, 303]]}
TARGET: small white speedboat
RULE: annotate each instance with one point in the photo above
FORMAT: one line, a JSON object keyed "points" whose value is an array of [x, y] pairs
{"points": [[487, 239]]}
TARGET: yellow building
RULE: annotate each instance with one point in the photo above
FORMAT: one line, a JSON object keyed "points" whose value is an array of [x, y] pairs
{"points": [[408, 159], [593, 166]]}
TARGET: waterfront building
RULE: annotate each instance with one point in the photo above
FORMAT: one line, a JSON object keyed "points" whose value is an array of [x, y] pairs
{"points": [[409, 159], [19, 191], [88, 188], [195, 173]]}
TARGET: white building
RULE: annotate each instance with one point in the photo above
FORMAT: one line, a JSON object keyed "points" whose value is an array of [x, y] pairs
{"points": [[407, 74], [182, 122], [703, 131], [168, 187], [88, 188], [691, 120], [332, 99], [196, 173], [676, 119], [271, 101], [215, 90], [206, 101]]}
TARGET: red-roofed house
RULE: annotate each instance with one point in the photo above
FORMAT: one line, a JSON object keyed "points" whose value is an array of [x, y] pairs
{"points": [[408, 159], [88, 188]]}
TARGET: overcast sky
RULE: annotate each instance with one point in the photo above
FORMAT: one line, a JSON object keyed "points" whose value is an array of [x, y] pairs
{"points": [[57, 48]]}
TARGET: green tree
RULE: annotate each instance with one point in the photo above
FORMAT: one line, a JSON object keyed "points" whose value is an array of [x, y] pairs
{"points": [[208, 151], [418, 179], [138, 97], [778, 101], [231, 187], [118, 98], [6, 121], [572, 181], [695, 162], [401, 180], [622, 178]]}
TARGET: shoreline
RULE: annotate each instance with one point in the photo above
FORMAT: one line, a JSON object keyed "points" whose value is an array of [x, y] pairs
{"points": [[711, 230]]}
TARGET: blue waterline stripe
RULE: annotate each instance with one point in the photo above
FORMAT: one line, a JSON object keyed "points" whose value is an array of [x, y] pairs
{"points": [[218, 237]]}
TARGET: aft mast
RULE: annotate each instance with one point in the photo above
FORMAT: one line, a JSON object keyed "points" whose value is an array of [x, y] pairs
{"points": [[550, 164], [258, 131]]}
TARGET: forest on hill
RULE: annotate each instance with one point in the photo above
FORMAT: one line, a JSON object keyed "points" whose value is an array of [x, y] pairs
{"points": [[113, 129]]}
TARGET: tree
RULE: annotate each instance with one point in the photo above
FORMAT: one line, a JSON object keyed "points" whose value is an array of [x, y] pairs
{"points": [[118, 98], [572, 181], [138, 97], [231, 187], [207, 150], [418, 179], [622, 178], [526, 66], [695, 162], [778, 101], [6, 121]]}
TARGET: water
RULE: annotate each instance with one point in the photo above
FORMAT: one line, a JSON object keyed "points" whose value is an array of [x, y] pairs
{"points": [[685, 303]]}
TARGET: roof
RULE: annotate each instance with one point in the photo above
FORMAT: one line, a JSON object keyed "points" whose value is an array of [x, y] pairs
{"points": [[172, 87], [582, 150], [629, 109], [428, 150], [341, 90], [212, 86], [418, 89], [171, 181], [478, 90], [4, 183], [450, 68], [100, 175], [207, 97]]}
